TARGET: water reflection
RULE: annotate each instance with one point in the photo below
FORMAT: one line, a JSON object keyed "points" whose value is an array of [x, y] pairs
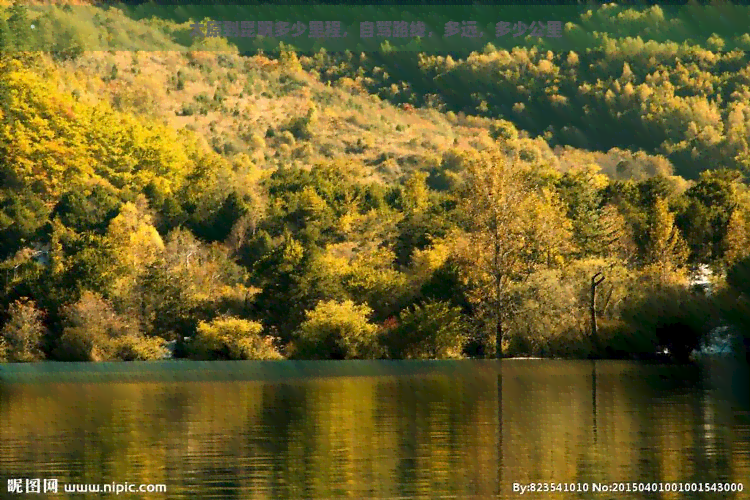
{"points": [[445, 434]]}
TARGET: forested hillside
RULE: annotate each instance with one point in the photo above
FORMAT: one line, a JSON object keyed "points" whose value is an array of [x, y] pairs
{"points": [[384, 205]]}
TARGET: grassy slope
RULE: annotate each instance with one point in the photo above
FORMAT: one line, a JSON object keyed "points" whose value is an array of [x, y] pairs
{"points": [[233, 101], [257, 94]]}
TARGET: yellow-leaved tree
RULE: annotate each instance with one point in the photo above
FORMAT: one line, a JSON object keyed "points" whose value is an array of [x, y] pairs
{"points": [[511, 228], [667, 250], [42, 134], [136, 243]]}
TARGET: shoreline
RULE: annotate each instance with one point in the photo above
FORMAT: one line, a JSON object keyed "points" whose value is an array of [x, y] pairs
{"points": [[264, 371]]}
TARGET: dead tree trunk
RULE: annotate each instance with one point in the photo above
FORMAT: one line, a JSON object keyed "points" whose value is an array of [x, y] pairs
{"points": [[596, 280], [499, 337], [498, 301]]}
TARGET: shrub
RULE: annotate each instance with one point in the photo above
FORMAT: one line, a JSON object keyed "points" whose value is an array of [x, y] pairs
{"points": [[734, 302], [503, 130], [21, 336], [256, 142], [286, 137], [337, 330], [232, 338], [93, 331], [289, 59], [673, 318], [180, 81], [363, 144], [220, 95], [303, 151], [187, 109], [139, 348], [302, 126], [435, 330]]}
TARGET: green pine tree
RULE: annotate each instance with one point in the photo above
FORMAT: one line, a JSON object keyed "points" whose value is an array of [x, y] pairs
{"points": [[6, 38], [19, 27]]}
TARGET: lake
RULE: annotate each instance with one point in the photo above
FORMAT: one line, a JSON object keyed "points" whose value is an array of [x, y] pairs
{"points": [[376, 429]]}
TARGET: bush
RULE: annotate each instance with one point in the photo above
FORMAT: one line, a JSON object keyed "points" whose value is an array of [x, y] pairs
{"points": [[302, 126], [289, 59], [180, 81], [299, 128], [436, 330], [187, 109], [671, 318], [232, 338], [735, 300], [550, 312], [93, 331], [286, 137], [256, 142], [337, 330], [304, 151], [76, 344], [21, 336], [503, 130], [139, 348]]}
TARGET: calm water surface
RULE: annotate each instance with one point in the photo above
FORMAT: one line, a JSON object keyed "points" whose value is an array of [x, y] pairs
{"points": [[453, 430]]}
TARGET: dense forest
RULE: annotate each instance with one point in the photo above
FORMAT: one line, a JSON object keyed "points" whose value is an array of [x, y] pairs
{"points": [[391, 205]]}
